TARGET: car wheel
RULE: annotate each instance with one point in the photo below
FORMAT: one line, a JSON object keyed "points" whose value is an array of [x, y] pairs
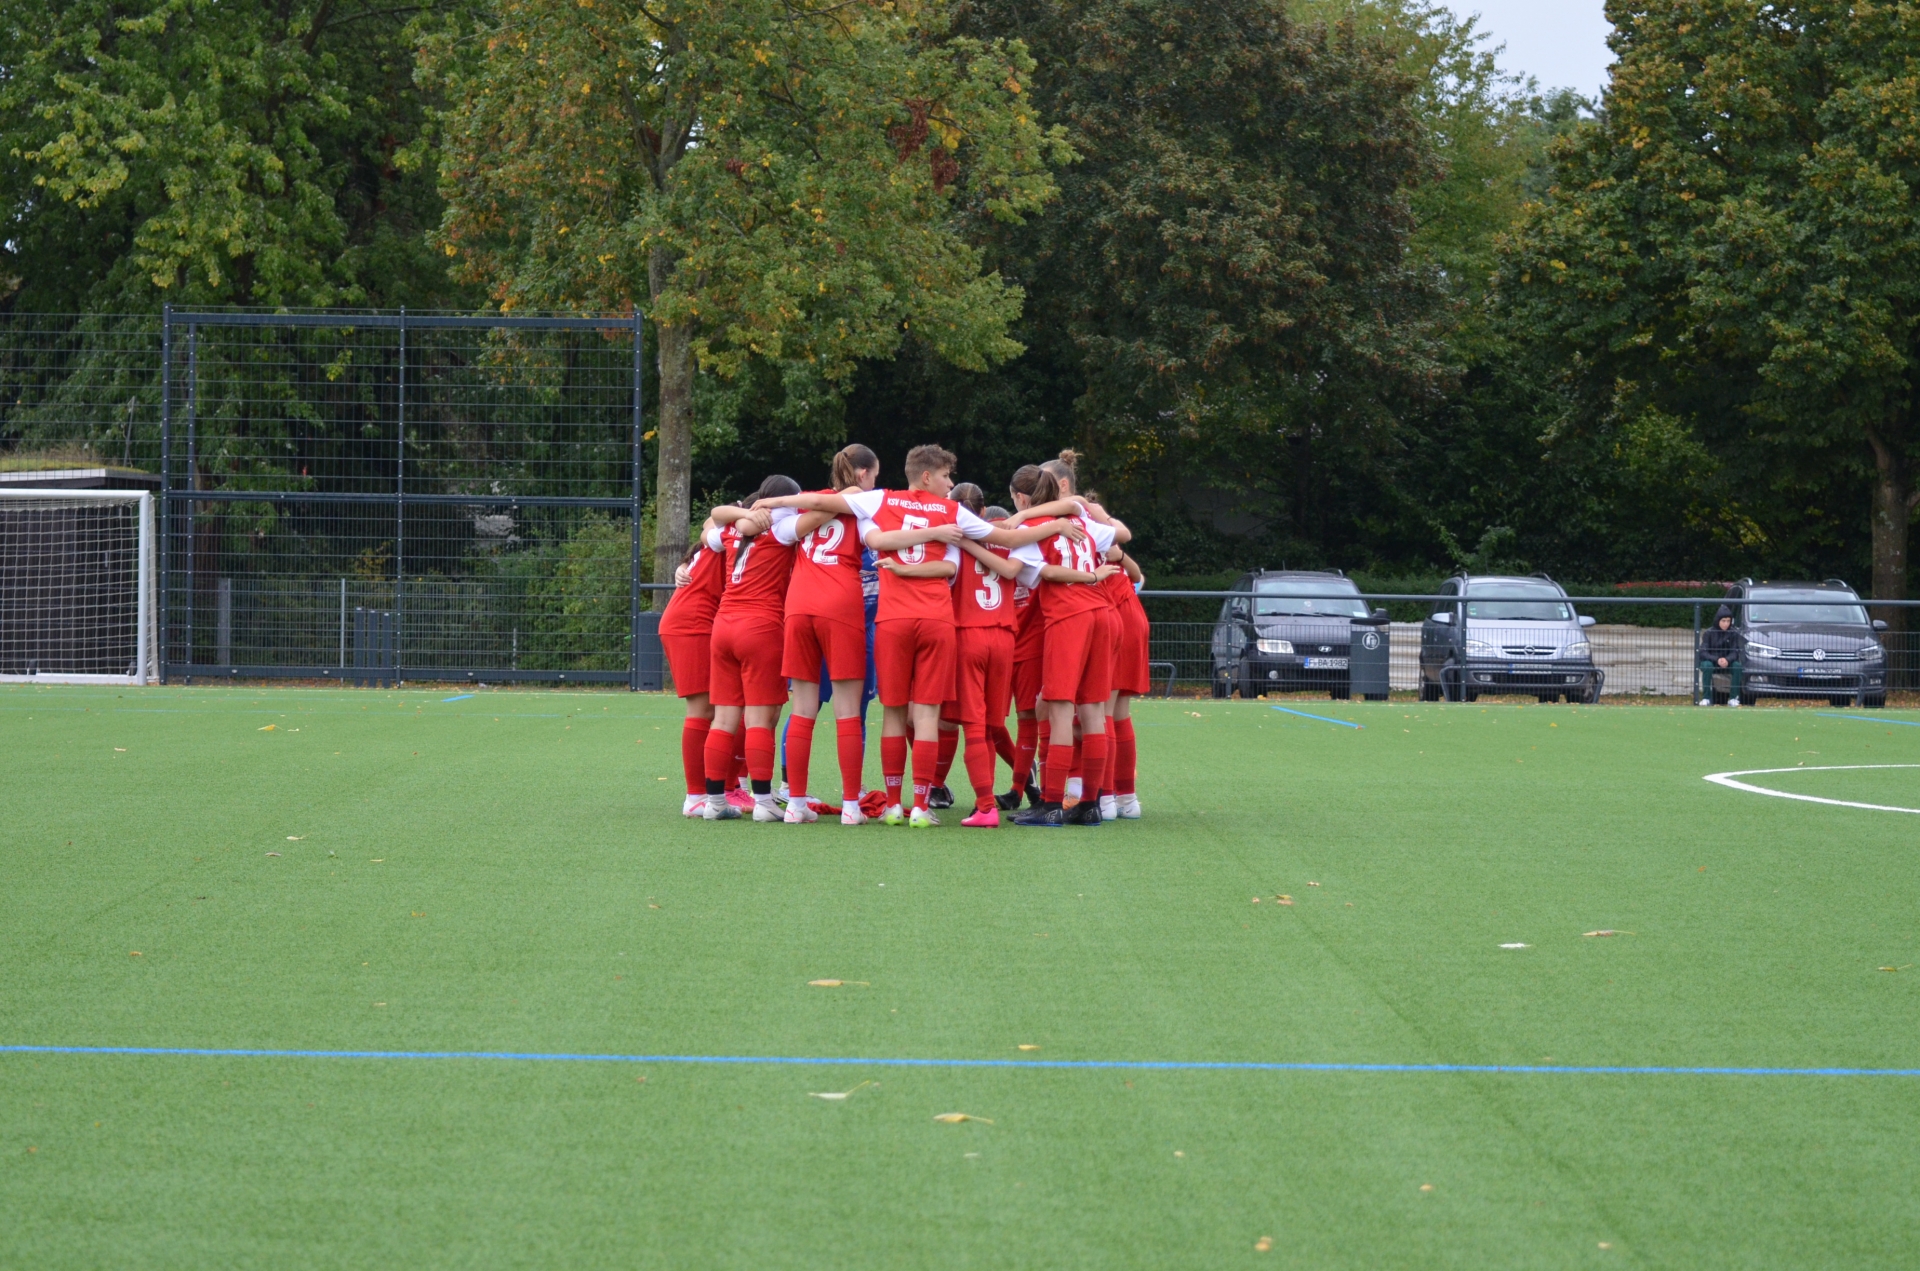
{"points": [[1874, 701], [1844, 699], [1451, 687], [1222, 687]]}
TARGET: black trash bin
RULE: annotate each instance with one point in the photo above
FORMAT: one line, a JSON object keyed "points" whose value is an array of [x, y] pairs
{"points": [[1371, 657]]}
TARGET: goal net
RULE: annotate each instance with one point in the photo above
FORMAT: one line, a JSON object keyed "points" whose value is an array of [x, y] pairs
{"points": [[76, 586]]}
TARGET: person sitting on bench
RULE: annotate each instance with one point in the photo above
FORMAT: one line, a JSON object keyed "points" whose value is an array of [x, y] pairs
{"points": [[1720, 650]]}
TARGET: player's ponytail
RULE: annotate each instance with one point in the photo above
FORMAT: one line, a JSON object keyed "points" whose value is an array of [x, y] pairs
{"points": [[1064, 470], [1023, 481], [850, 463], [969, 496], [775, 487], [1046, 488]]}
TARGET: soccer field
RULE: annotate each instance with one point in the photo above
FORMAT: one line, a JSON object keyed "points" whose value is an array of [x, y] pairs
{"points": [[405, 874]]}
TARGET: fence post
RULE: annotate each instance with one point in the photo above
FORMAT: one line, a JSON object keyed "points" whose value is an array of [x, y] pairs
{"points": [[1693, 660], [639, 490], [166, 477], [193, 476], [343, 623], [400, 498]]}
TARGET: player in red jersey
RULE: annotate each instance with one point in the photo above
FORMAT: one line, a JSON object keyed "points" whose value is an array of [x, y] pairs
{"points": [[686, 630], [746, 684], [1131, 678], [827, 626], [1028, 641], [914, 533], [984, 616], [1076, 672]]}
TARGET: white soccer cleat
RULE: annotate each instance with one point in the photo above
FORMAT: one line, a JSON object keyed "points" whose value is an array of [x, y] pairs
{"points": [[850, 813], [1733, 701], [921, 819], [800, 812], [718, 809], [1129, 809], [896, 815], [694, 806], [781, 796], [765, 809], [1706, 701], [1109, 807], [1073, 787]]}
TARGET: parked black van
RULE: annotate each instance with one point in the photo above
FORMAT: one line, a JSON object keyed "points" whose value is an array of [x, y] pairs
{"points": [[1295, 633]]}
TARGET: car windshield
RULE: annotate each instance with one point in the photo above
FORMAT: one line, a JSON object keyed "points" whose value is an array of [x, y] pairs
{"points": [[1301, 597], [1829, 607], [1550, 607]]}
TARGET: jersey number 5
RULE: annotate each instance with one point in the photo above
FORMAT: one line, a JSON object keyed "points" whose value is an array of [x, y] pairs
{"points": [[918, 552]]}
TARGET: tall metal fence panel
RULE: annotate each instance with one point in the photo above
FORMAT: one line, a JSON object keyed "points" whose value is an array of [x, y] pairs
{"points": [[474, 484]]}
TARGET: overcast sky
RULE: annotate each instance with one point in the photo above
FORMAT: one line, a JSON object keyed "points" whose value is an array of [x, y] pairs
{"points": [[1561, 43]]}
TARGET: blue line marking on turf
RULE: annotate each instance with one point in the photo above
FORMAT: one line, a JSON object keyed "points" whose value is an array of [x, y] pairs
{"points": [[1872, 719], [798, 1061], [1325, 719], [461, 698]]}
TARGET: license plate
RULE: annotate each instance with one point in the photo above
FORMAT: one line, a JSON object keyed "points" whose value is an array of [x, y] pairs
{"points": [[1326, 664], [1820, 675]]}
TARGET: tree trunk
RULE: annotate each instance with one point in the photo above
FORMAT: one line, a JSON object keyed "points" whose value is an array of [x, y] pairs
{"points": [[675, 436], [1891, 517]]}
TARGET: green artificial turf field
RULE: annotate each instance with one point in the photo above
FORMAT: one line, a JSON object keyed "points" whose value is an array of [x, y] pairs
{"points": [[390, 871]]}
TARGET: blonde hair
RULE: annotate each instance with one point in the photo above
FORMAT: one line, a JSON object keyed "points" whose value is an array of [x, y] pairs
{"points": [[1065, 469]]}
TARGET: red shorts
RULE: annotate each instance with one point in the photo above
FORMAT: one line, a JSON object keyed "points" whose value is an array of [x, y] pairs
{"points": [[985, 674], [746, 664], [814, 641], [1130, 672], [1026, 683], [689, 658], [1078, 664], [916, 657]]}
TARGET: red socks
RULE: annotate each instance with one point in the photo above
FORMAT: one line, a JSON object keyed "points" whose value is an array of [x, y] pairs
{"points": [[1002, 742], [926, 755], [1094, 754], [693, 753], [799, 752], [851, 737], [1040, 749], [1125, 756], [760, 755], [980, 770], [893, 766], [719, 756], [949, 743], [738, 767], [1023, 753], [1053, 788]]}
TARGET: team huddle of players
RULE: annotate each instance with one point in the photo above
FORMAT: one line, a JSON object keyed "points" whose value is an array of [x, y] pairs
{"points": [[977, 610]]}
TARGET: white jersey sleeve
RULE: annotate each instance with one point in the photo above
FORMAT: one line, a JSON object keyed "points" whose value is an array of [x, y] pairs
{"points": [[1102, 536], [864, 506], [713, 540], [971, 525], [1031, 558], [786, 526]]}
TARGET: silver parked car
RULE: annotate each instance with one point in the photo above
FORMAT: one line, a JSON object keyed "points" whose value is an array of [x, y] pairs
{"points": [[1506, 634], [1822, 646]]}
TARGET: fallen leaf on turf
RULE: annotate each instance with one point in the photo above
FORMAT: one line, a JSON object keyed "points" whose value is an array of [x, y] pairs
{"points": [[273, 853], [1426, 1187], [832, 1095], [1901, 967], [955, 1118], [1605, 1245], [653, 906], [834, 984], [133, 953], [418, 914], [1256, 900], [1284, 900], [1263, 1244], [295, 838], [269, 728], [1028, 1046], [379, 1003], [120, 750], [1313, 884], [1516, 946], [376, 860], [1608, 932]]}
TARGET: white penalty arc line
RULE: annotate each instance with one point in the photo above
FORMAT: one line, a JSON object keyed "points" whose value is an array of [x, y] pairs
{"points": [[1727, 779]]}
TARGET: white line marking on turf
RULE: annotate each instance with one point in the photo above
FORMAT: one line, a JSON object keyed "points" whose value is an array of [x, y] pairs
{"points": [[1727, 779]]}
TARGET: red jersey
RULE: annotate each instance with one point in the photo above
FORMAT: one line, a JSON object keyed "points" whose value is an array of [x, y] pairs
{"points": [[826, 572], [690, 609], [1030, 630], [912, 510], [982, 598], [1063, 600], [758, 570], [1119, 592]]}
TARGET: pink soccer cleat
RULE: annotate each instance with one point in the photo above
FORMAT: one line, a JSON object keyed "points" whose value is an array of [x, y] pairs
{"points": [[984, 819]]}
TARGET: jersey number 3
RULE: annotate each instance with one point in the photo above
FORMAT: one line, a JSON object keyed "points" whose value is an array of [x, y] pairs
{"points": [[988, 594]]}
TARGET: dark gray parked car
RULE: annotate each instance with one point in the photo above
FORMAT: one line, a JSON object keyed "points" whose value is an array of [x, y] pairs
{"points": [[1826, 649], [1288, 636], [1528, 640]]}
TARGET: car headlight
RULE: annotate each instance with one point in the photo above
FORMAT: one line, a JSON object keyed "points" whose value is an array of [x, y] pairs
{"points": [[1274, 646], [1873, 653], [1578, 649], [1762, 650], [1479, 649]]}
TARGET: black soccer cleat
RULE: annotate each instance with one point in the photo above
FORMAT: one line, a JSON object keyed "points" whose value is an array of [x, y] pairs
{"points": [[1085, 812], [1046, 816], [1007, 802], [939, 797], [1034, 797]]}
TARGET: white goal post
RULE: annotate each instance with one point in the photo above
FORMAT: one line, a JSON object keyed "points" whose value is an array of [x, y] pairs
{"points": [[77, 597]]}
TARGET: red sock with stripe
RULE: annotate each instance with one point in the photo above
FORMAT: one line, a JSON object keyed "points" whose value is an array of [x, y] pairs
{"points": [[799, 752], [1023, 753], [980, 770], [1094, 752], [949, 743], [851, 739], [893, 766], [1002, 742], [760, 754], [1053, 788], [926, 756], [719, 759], [693, 753], [1125, 756]]}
